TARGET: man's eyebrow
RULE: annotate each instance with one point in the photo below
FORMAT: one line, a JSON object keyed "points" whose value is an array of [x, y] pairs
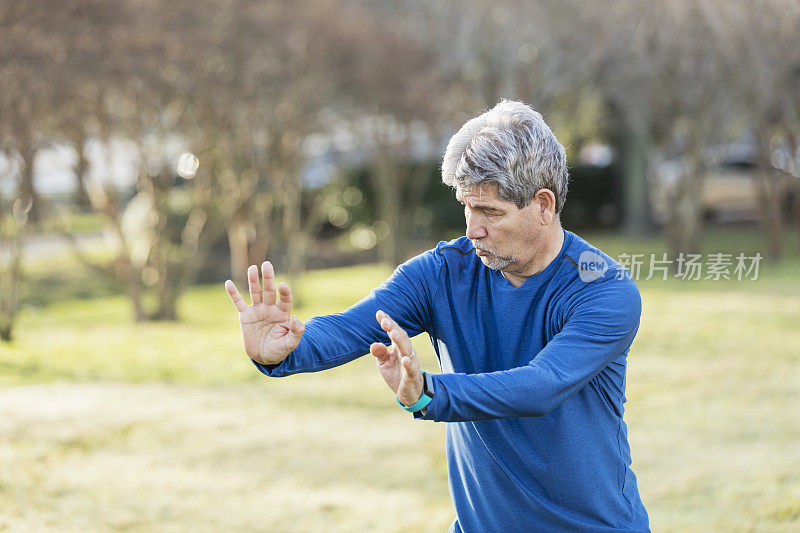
{"points": [[481, 205]]}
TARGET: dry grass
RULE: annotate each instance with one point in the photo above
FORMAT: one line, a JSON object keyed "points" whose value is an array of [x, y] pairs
{"points": [[108, 425], [98, 457]]}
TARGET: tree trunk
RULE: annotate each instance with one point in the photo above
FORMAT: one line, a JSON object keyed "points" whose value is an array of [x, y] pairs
{"points": [[81, 198], [249, 236], [238, 244], [182, 273], [10, 268], [125, 273], [771, 196], [262, 221], [27, 192], [635, 201], [685, 213], [292, 228], [389, 193], [796, 206], [167, 303]]}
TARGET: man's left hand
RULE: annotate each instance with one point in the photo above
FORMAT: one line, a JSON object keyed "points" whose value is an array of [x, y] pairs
{"points": [[399, 365]]}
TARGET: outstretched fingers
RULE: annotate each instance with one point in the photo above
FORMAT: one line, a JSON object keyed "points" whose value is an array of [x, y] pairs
{"points": [[410, 367], [410, 388], [254, 284], [380, 352], [397, 334], [236, 298], [285, 301], [398, 363], [268, 273]]}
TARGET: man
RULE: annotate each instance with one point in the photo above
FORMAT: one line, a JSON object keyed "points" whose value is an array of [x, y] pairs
{"points": [[531, 326]]}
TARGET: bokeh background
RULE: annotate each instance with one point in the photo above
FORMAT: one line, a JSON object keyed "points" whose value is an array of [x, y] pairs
{"points": [[150, 149]]}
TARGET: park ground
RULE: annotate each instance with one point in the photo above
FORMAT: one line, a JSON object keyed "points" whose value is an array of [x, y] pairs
{"points": [[106, 424]]}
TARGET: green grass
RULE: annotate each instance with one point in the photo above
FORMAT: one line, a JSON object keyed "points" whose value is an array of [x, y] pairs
{"points": [[95, 410], [96, 339], [72, 220]]}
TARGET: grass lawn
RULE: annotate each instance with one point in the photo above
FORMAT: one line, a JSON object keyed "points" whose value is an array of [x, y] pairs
{"points": [[107, 424]]}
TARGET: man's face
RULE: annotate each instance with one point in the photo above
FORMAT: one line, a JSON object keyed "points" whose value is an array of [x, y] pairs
{"points": [[505, 237]]}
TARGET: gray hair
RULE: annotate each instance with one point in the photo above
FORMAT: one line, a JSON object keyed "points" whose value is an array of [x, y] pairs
{"points": [[512, 146]]}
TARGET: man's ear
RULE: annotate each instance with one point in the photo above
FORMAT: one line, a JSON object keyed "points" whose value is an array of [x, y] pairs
{"points": [[545, 206]]}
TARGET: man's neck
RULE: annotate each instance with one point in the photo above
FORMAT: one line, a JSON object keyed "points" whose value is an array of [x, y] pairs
{"points": [[551, 246]]}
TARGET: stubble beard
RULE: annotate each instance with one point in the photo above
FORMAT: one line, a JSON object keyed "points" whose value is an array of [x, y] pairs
{"points": [[493, 261]]}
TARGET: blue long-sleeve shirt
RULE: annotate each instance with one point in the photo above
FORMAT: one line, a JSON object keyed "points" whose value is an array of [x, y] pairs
{"points": [[532, 383]]}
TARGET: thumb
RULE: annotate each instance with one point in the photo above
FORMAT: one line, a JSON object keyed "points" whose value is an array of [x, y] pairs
{"points": [[296, 329], [380, 352], [410, 389], [410, 365]]}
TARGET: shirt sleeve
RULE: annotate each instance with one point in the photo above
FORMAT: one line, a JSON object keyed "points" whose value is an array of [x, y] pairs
{"points": [[599, 328], [339, 338]]}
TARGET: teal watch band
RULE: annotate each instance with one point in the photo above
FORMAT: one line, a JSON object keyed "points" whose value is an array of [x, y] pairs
{"points": [[423, 401]]}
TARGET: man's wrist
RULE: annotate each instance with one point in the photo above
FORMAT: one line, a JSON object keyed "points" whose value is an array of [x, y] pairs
{"points": [[427, 388], [410, 396], [420, 406]]}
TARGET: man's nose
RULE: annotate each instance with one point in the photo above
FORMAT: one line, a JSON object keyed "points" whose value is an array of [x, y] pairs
{"points": [[475, 230]]}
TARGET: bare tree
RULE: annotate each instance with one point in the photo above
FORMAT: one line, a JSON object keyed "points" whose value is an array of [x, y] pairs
{"points": [[242, 84], [24, 52], [661, 68], [765, 50], [13, 218]]}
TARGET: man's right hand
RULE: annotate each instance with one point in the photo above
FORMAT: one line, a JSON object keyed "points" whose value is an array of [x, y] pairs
{"points": [[269, 332]]}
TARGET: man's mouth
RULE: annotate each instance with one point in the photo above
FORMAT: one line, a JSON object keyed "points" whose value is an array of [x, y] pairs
{"points": [[481, 251], [493, 258]]}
